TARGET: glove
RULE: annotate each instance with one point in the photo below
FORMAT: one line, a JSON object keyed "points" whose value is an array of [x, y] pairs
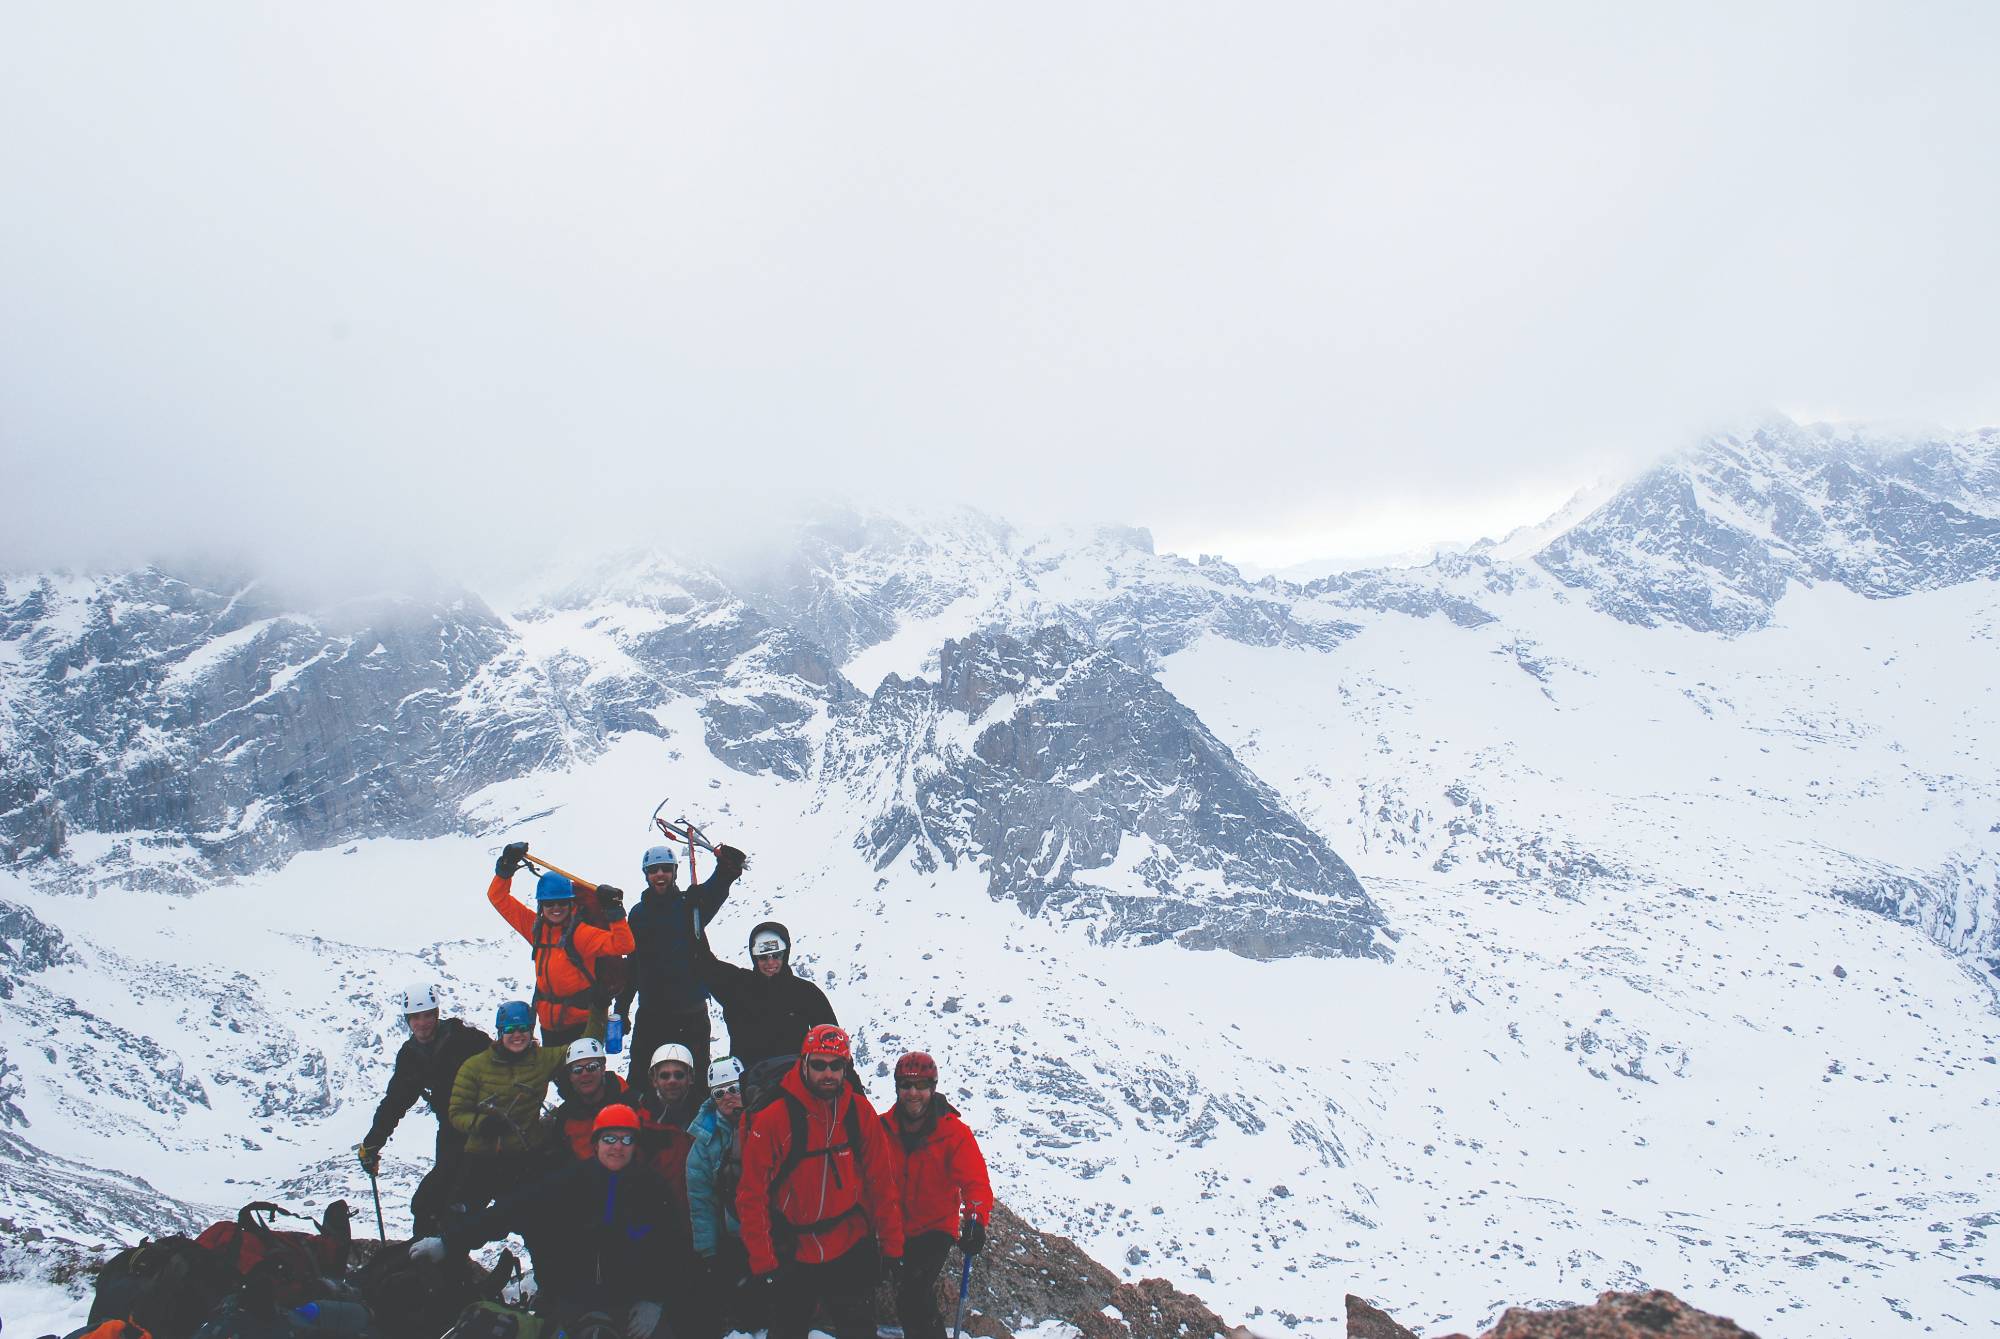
{"points": [[972, 1236], [493, 1125], [641, 1319], [369, 1158], [429, 1250], [892, 1270], [512, 856], [612, 901], [730, 860]]}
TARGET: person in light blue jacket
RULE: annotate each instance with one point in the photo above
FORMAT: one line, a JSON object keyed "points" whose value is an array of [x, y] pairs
{"points": [[714, 1165]]}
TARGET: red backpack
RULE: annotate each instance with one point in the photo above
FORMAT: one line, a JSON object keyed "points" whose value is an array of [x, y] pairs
{"points": [[295, 1262]]}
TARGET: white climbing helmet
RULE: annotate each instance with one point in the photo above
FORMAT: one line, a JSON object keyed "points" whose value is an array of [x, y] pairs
{"points": [[417, 998], [673, 1050], [583, 1048], [724, 1072]]}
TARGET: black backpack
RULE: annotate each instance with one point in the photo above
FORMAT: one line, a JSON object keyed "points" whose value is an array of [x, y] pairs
{"points": [[419, 1299], [166, 1287], [254, 1311]]}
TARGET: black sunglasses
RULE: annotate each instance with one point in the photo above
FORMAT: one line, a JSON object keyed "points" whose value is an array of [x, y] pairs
{"points": [[826, 1066]]}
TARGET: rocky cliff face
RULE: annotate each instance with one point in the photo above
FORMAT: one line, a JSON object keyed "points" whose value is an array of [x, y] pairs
{"points": [[1047, 762]]}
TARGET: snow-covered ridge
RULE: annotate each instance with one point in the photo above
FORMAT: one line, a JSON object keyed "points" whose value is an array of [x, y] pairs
{"points": [[1668, 954]]}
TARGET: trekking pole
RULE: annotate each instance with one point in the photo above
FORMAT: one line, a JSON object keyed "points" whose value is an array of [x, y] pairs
{"points": [[964, 1288], [381, 1232]]}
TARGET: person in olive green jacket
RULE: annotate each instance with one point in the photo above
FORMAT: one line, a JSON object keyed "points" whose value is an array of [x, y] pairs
{"points": [[496, 1103]]}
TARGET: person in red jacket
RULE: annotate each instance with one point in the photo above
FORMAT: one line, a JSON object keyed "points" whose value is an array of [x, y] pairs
{"points": [[591, 1089], [818, 1195], [946, 1197], [663, 1138], [565, 950]]}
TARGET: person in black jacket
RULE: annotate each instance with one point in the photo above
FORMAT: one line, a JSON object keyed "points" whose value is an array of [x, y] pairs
{"points": [[767, 1008], [666, 925], [603, 1233], [425, 1067]]}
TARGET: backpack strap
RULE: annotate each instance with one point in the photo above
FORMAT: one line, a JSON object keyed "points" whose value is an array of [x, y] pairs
{"points": [[796, 1155], [578, 999]]}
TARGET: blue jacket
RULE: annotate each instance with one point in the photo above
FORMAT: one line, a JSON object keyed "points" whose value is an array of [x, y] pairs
{"points": [[663, 924], [711, 1205]]}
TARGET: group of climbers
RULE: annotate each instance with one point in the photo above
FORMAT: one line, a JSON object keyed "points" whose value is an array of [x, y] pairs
{"points": [[682, 1207]]}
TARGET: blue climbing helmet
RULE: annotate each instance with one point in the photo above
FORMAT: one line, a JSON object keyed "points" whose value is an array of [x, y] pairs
{"points": [[553, 887], [659, 855], [512, 1016]]}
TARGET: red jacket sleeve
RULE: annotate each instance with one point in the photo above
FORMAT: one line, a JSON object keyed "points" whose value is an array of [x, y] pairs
{"points": [[884, 1187], [968, 1171], [764, 1147], [500, 894]]}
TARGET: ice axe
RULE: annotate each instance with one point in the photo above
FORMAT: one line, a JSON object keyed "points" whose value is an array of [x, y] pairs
{"points": [[680, 830], [381, 1232], [964, 1288], [537, 863]]}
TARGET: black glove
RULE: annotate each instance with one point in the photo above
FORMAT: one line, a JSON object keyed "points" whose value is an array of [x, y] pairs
{"points": [[493, 1125], [972, 1236], [730, 860], [612, 902], [892, 1270], [512, 856]]}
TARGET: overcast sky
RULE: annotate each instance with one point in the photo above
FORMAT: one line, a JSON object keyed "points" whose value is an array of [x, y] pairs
{"points": [[449, 280]]}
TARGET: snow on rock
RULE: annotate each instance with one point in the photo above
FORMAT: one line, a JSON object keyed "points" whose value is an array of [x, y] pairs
{"points": [[1482, 933]]}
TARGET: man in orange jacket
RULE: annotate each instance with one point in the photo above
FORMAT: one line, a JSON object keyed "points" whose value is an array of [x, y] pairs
{"points": [[946, 1196], [565, 951], [818, 1195]]}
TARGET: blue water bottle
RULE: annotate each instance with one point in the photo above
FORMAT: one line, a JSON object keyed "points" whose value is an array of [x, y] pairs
{"points": [[614, 1035]]}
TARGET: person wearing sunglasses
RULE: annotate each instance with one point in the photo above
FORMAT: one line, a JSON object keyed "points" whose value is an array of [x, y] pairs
{"points": [[496, 1103], [592, 1088], [767, 1007], [568, 998], [665, 925], [818, 1196], [714, 1164], [602, 1233], [947, 1199]]}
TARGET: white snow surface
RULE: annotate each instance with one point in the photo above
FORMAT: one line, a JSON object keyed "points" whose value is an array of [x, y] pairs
{"points": [[1629, 1038]]}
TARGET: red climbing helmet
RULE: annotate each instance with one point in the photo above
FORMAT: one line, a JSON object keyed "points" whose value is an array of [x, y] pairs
{"points": [[916, 1065], [617, 1116], [827, 1040]]}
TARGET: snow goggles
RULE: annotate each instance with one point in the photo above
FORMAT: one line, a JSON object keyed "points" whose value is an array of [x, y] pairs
{"points": [[728, 1090], [615, 1137]]}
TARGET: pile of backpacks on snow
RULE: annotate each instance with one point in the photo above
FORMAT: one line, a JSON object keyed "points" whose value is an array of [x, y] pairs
{"points": [[248, 1280]]}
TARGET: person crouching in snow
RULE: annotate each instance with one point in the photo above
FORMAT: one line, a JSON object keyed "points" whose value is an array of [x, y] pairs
{"points": [[602, 1232]]}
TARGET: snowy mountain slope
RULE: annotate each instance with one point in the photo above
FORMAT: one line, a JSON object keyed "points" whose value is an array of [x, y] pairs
{"points": [[1640, 878], [1713, 540]]}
